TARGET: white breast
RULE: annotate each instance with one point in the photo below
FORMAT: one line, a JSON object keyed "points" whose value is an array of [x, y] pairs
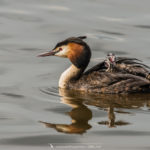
{"points": [[67, 75]]}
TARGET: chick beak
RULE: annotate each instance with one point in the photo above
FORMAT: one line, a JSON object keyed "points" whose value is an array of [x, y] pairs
{"points": [[111, 59], [51, 53]]}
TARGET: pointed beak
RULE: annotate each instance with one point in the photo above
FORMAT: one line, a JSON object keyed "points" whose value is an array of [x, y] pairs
{"points": [[51, 53], [112, 59]]}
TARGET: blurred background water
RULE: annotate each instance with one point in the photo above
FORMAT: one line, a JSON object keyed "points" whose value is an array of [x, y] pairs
{"points": [[29, 97]]}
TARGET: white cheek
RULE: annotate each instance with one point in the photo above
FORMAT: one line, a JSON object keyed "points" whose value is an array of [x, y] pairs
{"points": [[62, 53]]}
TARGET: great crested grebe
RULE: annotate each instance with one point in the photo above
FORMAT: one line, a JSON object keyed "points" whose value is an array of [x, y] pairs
{"points": [[96, 79]]}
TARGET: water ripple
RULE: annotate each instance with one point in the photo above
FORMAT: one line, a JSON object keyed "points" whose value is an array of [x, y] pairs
{"points": [[143, 26], [13, 95], [105, 37], [53, 91]]}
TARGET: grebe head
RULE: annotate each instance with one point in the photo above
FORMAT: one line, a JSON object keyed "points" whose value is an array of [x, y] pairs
{"points": [[73, 48], [111, 57], [110, 60]]}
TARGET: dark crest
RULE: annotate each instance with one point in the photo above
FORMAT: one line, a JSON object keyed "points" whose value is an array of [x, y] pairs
{"points": [[78, 40]]}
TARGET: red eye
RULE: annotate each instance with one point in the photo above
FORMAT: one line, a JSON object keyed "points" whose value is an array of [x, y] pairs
{"points": [[60, 49]]}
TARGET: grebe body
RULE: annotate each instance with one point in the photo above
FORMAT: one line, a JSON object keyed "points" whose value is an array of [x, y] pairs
{"points": [[98, 79]]}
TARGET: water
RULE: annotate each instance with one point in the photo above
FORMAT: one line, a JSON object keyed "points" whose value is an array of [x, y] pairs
{"points": [[33, 113]]}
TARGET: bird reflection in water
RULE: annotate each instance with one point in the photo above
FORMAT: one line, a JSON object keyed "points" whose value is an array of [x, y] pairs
{"points": [[81, 114], [111, 119]]}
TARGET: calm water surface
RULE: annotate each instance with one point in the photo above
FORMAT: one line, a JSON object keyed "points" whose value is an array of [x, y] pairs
{"points": [[34, 113]]}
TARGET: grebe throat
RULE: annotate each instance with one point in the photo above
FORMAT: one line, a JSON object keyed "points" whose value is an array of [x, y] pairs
{"points": [[72, 73]]}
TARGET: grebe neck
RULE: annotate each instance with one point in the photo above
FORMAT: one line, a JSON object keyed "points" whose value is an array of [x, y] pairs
{"points": [[72, 73]]}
